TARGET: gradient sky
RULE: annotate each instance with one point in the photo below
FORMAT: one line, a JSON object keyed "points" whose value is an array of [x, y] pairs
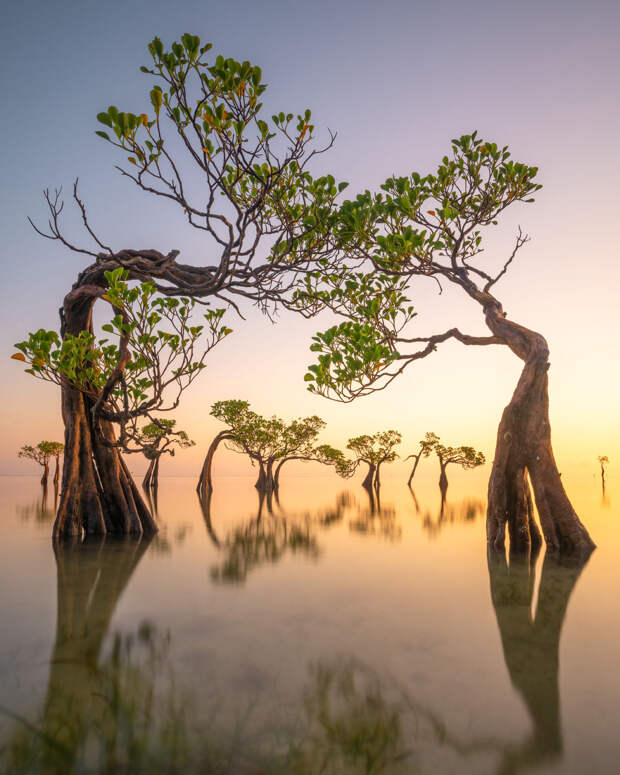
{"points": [[397, 80]]}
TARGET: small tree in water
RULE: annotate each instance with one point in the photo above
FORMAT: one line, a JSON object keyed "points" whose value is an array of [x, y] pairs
{"points": [[431, 226], [427, 445], [466, 457], [374, 451], [160, 438], [603, 460], [42, 454]]}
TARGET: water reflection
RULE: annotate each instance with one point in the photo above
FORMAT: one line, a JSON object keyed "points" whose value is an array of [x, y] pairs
{"points": [[42, 510], [113, 703], [263, 539], [466, 511], [375, 520], [531, 642]]}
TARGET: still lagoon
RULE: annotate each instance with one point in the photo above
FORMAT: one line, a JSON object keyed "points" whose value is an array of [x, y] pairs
{"points": [[318, 633]]}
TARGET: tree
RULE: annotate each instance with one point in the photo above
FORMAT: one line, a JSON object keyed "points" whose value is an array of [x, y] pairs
{"points": [[466, 457], [603, 460], [269, 442], [264, 216], [42, 454], [161, 438], [431, 227], [426, 447], [374, 451]]}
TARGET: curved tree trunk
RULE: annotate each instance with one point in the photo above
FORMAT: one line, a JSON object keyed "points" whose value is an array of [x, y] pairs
{"points": [[524, 448], [377, 477], [370, 476], [268, 480], [46, 471], [416, 459], [205, 481], [98, 494]]}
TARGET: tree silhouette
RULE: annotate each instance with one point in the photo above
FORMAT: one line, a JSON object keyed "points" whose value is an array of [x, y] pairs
{"points": [[427, 445], [263, 215], [466, 457], [432, 226], [374, 451], [42, 454], [603, 460]]}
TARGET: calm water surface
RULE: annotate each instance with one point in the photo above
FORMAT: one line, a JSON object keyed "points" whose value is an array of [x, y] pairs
{"points": [[320, 634]]}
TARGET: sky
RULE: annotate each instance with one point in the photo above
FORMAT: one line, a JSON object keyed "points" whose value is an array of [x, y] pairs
{"points": [[396, 80]]}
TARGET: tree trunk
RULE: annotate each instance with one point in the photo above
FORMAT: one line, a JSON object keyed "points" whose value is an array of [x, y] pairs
{"points": [[276, 476], [443, 479], [148, 476], [57, 471], [370, 476], [262, 476], [524, 448], [46, 471], [98, 494], [377, 477], [205, 481], [416, 459]]}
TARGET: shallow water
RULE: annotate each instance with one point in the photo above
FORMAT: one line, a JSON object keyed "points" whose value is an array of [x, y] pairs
{"points": [[322, 633]]}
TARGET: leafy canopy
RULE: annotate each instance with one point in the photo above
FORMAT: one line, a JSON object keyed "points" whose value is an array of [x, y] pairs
{"points": [[376, 449], [417, 226], [159, 344]]}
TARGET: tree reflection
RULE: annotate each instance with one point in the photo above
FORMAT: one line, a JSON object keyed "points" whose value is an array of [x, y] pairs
{"points": [[449, 514], [259, 541], [531, 648], [43, 509], [376, 520]]}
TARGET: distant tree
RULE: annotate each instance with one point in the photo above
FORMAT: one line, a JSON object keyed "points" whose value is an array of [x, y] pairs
{"points": [[160, 438], [374, 451], [603, 460], [269, 442], [466, 457], [426, 447], [432, 226], [42, 454]]}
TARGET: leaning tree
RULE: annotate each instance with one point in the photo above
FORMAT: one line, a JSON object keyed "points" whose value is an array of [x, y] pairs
{"points": [[431, 226], [264, 218], [42, 454], [160, 438], [374, 451], [426, 447]]}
